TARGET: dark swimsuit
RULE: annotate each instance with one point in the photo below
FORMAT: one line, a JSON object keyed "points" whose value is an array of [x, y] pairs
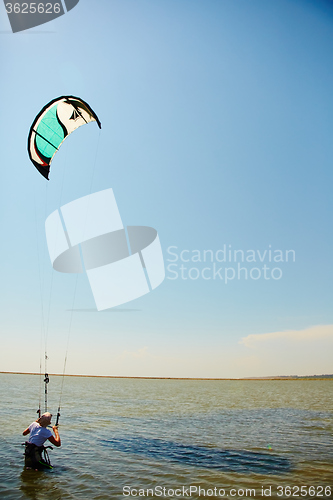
{"points": [[36, 457]]}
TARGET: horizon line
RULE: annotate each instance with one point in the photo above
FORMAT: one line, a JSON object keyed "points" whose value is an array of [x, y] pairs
{"points": [[272, 377]]}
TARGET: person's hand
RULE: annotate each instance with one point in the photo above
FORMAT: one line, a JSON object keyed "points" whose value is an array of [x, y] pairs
{"points": [[55, 428]]}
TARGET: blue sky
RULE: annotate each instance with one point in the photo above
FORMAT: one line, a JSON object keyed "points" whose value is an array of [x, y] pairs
{"points": [[216, 130]]}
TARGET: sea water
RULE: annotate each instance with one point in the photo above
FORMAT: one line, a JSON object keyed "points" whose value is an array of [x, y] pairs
{"points": [[146, 438]]}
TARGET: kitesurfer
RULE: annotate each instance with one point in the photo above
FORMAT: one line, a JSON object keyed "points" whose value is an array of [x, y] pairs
{"points": [[34, 447]]}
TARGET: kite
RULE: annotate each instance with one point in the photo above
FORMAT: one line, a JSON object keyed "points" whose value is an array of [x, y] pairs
{"points": [[52, 125]]}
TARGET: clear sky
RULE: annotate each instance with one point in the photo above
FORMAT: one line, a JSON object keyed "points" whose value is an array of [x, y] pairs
{"points": [[217, 131]]}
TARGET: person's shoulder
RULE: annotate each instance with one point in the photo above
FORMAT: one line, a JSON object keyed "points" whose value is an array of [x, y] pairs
{"points": [[33, 425]]}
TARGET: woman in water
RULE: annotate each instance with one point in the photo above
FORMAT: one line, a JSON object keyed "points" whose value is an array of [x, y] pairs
{"points": [[39, 433]]}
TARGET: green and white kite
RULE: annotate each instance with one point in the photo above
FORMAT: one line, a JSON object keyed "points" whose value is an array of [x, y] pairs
{"points": [[52, 125]]}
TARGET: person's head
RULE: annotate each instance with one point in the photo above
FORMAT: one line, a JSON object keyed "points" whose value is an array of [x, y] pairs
{"points": [[45, 419]]}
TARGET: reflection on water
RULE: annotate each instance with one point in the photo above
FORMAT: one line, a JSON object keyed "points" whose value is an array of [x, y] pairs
{"points": [[240, 461], [36, 485]]}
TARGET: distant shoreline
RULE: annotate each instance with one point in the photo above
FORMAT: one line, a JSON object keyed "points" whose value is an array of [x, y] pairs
{"points": [[279, 377]]}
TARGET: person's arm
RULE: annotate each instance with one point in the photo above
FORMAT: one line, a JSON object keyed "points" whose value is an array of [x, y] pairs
{"points": [[56, 438], [26, 431]]}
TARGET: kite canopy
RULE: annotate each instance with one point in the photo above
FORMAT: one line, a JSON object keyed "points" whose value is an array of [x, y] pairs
{"points": [[52, 125]]}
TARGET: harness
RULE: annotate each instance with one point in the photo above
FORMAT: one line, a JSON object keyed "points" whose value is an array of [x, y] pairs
{"points": [[37, 457]]}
